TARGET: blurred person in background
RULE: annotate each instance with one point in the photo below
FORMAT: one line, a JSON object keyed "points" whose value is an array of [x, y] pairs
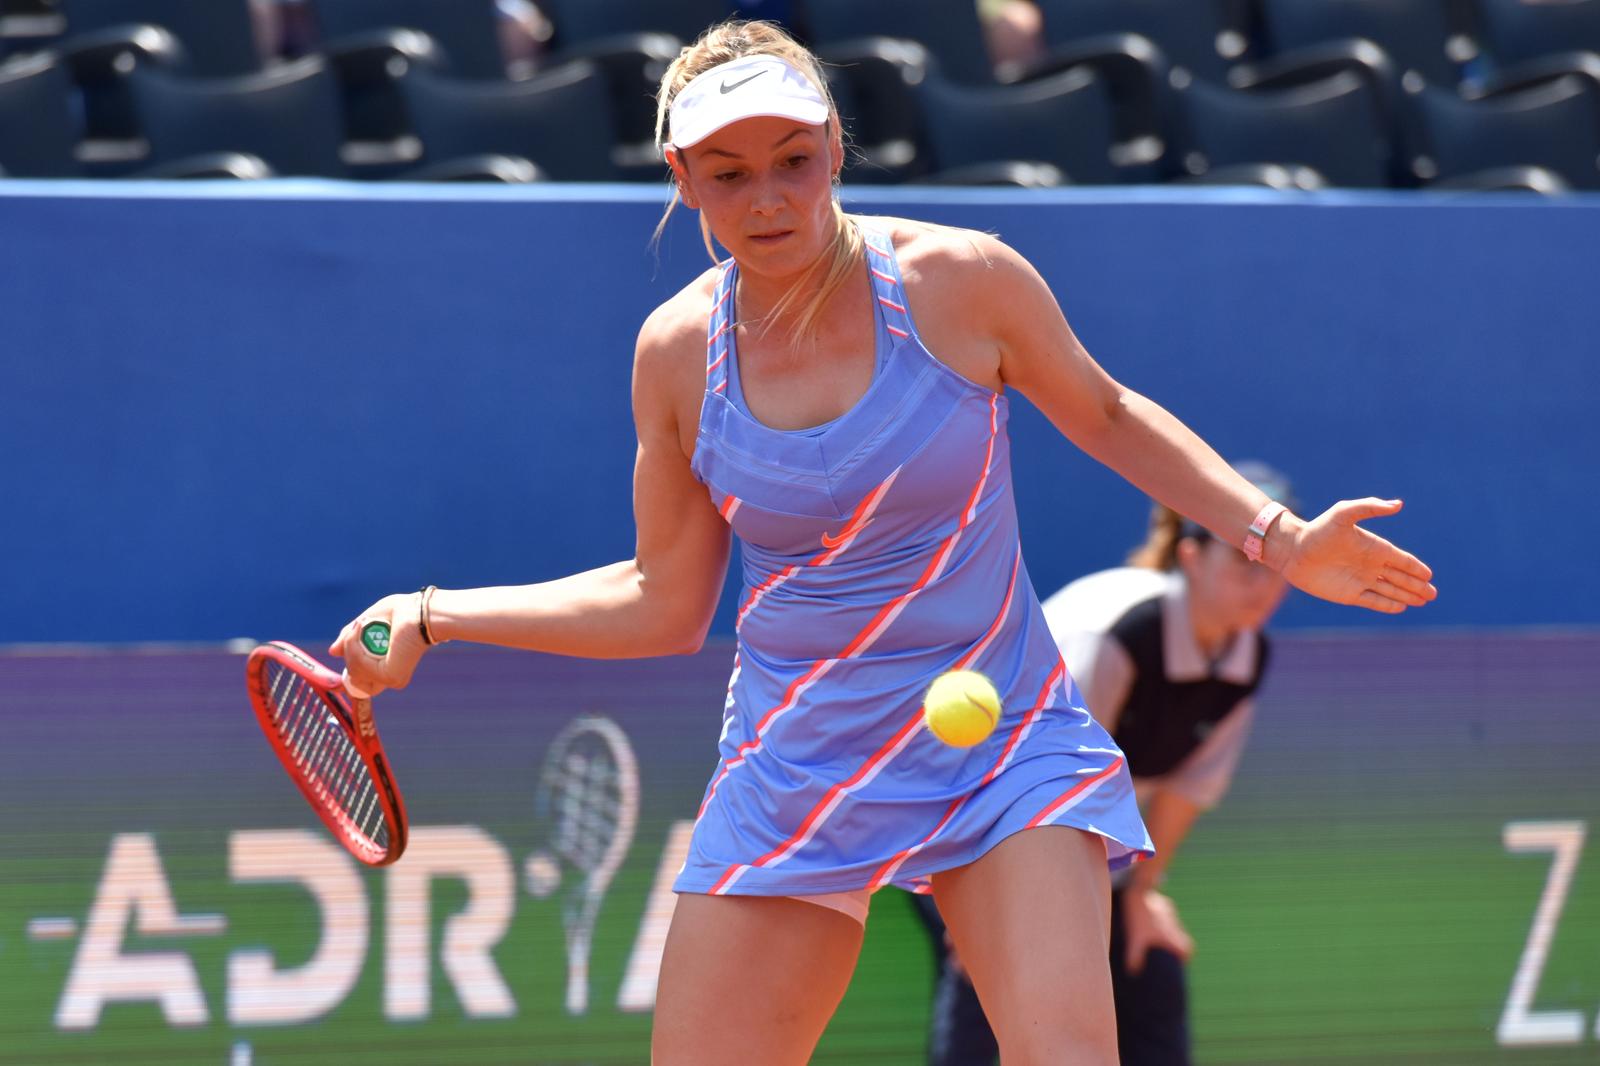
{"points": [[1013, 30], [286, 29], [1168, 653]]}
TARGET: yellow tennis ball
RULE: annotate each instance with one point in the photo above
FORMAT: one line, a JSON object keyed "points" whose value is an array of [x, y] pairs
{"points": [[961, 708]]}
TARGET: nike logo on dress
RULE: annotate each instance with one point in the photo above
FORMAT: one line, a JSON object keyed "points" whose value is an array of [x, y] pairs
{"points": [[831, 542], [726, 88]]}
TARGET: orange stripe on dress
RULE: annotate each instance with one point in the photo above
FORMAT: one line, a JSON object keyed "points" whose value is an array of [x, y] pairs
{"points": [[824, 807], [994, 627], [773, 581], [729, 506], [862, 641], [834, 545], [885, 301], [887, 871], [1073, 796], [881, 276], [790, 697], [1078, 791], [1025, 726]]}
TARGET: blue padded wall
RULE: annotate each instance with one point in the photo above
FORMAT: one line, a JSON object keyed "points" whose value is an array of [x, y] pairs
{"points": [[250, 410]]}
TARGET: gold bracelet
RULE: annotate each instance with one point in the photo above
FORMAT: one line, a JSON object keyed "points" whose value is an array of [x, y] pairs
{"points": [[422, 615]]}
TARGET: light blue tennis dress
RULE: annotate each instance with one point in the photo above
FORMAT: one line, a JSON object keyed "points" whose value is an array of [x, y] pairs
{"points": [[880, 550]]}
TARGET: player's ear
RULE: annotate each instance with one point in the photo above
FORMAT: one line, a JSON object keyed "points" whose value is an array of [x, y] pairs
{"points": [[680, 178], [836, 146]]}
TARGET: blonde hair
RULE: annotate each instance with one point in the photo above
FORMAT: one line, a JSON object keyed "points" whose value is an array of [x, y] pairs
{"points": [[723, 43]]}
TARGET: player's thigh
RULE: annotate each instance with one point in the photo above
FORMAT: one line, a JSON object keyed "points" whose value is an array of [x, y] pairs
{"points": [[1030, 921], [750, 979]]}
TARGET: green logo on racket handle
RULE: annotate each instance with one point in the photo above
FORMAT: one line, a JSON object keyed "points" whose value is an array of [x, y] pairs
{"points": [[375, 637]]}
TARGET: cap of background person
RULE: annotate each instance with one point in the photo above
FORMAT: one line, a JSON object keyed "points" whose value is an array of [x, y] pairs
{"points": [[1270, 481], [751, 87]]}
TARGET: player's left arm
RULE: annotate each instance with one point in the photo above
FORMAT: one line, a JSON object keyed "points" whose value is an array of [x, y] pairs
{"points": [[1040, 356]]}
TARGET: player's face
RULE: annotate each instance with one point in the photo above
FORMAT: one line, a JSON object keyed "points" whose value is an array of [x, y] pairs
{"points": [[1233, 591], [764, 186]]}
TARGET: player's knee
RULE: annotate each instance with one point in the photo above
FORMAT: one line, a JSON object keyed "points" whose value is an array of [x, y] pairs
{"points": [[1060, 1036]]}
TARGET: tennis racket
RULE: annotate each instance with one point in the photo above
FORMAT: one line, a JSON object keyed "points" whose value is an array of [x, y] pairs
{"points": [[321, 728], [588, 804]]}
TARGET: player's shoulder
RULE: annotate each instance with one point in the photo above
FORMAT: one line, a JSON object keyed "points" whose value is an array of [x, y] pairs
{"points": [[680, 320], [672, 339], [941, 255]]}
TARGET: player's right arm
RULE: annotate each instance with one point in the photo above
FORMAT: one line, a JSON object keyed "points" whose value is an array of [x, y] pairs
{"points": [[659, 602]]}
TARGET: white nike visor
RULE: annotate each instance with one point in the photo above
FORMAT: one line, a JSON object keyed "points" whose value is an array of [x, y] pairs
{"points": [[752, 87]]}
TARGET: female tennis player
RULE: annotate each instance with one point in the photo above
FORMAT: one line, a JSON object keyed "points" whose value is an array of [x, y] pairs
{"points": [[834, 392], [1168, 653]]}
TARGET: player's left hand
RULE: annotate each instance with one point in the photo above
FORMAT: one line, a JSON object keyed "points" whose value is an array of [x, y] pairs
{"points": [[1334, 559]]}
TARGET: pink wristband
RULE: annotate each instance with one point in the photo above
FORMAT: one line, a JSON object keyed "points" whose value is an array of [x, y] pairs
{"points": [[1255, 540]]}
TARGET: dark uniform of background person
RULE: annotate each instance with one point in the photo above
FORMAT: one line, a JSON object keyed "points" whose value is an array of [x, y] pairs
{"points": [[1168, 653]]}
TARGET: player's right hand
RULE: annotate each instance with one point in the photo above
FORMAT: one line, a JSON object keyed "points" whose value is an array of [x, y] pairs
{"points": [[374, 673]]}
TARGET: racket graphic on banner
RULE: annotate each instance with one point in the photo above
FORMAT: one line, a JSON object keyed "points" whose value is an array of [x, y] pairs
{"points": [[321, 729], [587, 808]]}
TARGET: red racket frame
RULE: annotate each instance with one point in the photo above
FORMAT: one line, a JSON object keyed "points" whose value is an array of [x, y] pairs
{"points": [[354, 717]]}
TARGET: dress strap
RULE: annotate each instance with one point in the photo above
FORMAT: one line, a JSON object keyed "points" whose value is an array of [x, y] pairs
{"points": [[719, 331], [884, 270]]}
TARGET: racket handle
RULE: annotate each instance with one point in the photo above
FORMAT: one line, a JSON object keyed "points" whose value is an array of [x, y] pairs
{"points": [[375, 638]]}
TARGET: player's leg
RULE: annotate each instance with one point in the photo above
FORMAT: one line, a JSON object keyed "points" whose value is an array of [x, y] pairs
{"points": [[958, 1032], [1030, 923], [750, 979], [1152, 1005]]}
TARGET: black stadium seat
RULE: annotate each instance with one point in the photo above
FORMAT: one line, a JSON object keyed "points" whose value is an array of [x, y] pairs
{"points": [[582, 22], [1334, 126], [1064, 120], [38, 130], [1417, 35], [217, 36], [289, 117], [27, 24], [948, 29], [559, 120], [1554, 126], [873, 81], [1515, 31], [464, 30], [1192, 34]]}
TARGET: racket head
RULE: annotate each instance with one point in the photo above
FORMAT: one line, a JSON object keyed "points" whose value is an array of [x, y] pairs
{"points": [[588, 798], [329, 746]]}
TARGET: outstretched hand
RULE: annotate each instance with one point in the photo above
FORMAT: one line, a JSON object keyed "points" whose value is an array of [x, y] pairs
{"points": [[1334, 559]]}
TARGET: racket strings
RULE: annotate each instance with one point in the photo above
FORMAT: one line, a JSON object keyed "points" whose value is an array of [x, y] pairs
{"points": [[325, 754], [588, 808]]}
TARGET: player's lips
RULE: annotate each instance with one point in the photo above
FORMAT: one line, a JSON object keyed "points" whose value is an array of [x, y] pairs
{"points": [[771, 237]]}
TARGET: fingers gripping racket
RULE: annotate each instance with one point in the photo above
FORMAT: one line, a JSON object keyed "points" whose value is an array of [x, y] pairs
{"points": [[588, 805], [322, 731]]}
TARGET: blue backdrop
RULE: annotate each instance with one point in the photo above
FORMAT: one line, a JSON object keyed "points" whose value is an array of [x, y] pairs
{"points": [[249, 411]]}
